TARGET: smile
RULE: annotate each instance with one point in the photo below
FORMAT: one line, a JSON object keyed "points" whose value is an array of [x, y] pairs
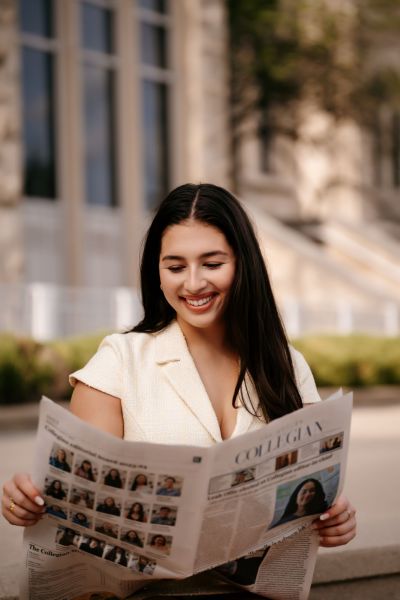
{"points": [[200, 302]]}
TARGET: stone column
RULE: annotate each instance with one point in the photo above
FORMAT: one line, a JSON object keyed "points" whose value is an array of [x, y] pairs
{"points": [[11, 249]]}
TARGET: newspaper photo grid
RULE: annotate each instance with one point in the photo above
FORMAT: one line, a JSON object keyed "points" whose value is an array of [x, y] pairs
{"points": [[123, 516]]}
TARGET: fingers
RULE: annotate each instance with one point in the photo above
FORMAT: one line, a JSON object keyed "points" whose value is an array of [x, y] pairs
{"points": [[338, 525], [21, 503]]}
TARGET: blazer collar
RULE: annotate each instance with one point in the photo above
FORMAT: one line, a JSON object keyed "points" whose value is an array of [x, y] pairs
{"points": [[173, 356]]}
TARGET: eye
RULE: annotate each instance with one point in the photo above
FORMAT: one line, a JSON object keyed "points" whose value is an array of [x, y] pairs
{"points": [[213, 265], [176, 268]]}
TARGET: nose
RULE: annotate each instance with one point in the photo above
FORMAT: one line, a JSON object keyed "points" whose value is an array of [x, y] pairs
{"points": [[195, 281]]}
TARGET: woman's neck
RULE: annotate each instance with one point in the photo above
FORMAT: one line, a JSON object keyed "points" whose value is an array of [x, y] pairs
{"points": [[212, 337]]}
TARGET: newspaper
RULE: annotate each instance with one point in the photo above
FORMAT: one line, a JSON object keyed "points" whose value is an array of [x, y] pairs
{"points": [[138, 518]]}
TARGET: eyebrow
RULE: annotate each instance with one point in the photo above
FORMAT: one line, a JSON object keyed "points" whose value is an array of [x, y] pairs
{"points": [[204, 255]]}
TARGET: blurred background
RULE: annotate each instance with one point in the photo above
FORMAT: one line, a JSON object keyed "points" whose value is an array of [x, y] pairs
{"points": [[294, 105]]}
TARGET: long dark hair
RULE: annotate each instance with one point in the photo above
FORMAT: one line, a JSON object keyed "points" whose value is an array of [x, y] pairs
{"points": [[317, 504], [254, 327]]}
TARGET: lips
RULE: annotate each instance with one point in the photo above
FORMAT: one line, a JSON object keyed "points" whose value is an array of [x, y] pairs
{"points": [[199, 302]]}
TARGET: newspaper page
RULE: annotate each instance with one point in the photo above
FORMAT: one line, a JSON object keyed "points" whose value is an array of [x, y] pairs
{"points": [[121, 515]]}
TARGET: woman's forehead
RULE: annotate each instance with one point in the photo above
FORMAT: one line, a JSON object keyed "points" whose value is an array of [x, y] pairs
{"points": [[193, 239]]}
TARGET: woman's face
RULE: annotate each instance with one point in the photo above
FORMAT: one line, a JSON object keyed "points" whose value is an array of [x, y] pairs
{"points": [[86, 466], [61, 455], [306, 494], [57, 485], [114, 473], [197, 269], [109, 501], [141, 479], [159, 541]]}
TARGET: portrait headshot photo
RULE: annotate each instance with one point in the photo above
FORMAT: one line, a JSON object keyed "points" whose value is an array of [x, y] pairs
{"points": [[92, 545], [169, 485], [159, 543], [106, 528], [131, 536], [68, 537], [56, 488], [310, 495], [141, 483], [80, 518], [113, 477], [141, 564], [61, 459], [164, 515], [137, 511], [55, 510], [108, 505], [85, 468], [82, 497]]}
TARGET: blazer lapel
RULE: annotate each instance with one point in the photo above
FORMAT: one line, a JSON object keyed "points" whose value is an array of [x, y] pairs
{"points": [[173, 357]]}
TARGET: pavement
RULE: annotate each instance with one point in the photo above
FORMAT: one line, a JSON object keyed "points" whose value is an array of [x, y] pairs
{"points": [[372, 484]]}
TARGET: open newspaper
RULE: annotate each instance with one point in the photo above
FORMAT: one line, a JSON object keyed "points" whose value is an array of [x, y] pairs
{"points": [[132, 518]]}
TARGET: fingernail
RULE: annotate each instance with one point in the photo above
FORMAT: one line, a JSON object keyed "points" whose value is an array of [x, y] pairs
{"points": [[324, 517], [39, 500]]}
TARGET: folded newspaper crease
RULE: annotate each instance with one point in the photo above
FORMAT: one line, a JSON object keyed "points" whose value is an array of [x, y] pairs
{"points": [[134, 518]]}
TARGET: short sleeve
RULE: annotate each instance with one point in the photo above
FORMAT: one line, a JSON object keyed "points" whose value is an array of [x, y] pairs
{"points": [[104, 370], [304, 377]]}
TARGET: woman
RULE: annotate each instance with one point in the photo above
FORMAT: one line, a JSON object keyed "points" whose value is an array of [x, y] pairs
{"points": [[113, 479], [80, 518], [117, 555], [208, 309], [307, 499], [136, 513], [85, 470], [141, 484], [158, 543], [55, 490], [132, 537], [82, 498], [59, 461], [108, 507]]}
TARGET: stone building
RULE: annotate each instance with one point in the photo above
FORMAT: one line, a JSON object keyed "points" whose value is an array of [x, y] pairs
{"points": [[106, 104]]}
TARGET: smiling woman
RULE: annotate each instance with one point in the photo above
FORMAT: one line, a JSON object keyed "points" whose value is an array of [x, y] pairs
{"points": [[209, 360]]}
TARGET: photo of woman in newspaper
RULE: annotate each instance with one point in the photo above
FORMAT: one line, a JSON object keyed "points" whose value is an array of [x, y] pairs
{"points": [[310, 495], [209, 360]]}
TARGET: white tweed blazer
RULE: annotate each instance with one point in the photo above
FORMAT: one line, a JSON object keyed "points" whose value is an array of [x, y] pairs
{"points": [[162, 395]]}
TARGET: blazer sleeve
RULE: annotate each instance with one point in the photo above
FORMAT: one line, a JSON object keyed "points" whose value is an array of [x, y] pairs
{"points": [[304, 377], [104, 370]]}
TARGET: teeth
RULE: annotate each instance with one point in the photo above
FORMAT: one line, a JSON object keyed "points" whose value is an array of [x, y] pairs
{"points": [[198, 302]]}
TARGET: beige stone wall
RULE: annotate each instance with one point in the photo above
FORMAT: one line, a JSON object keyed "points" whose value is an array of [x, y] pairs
{"points": [[10, 147], [204, 94]]}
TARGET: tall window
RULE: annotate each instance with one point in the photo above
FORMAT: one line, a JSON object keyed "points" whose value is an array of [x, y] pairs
{"points": [[98, 77], [38, 97], [155, 85]]}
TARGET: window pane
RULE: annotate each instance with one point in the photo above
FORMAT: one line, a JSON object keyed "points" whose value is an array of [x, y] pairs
{"points": [[156, 142], [153, 45], [36, 16], [97, 28], [156, 5], [99, 132], [38, 123]]}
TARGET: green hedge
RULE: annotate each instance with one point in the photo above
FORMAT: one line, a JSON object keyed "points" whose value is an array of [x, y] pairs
{"points": [[29, 369], [352, 361]]}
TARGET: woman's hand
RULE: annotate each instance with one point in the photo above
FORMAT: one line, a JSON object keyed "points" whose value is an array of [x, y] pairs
{"points": [[336, 526], [22, 503]]}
